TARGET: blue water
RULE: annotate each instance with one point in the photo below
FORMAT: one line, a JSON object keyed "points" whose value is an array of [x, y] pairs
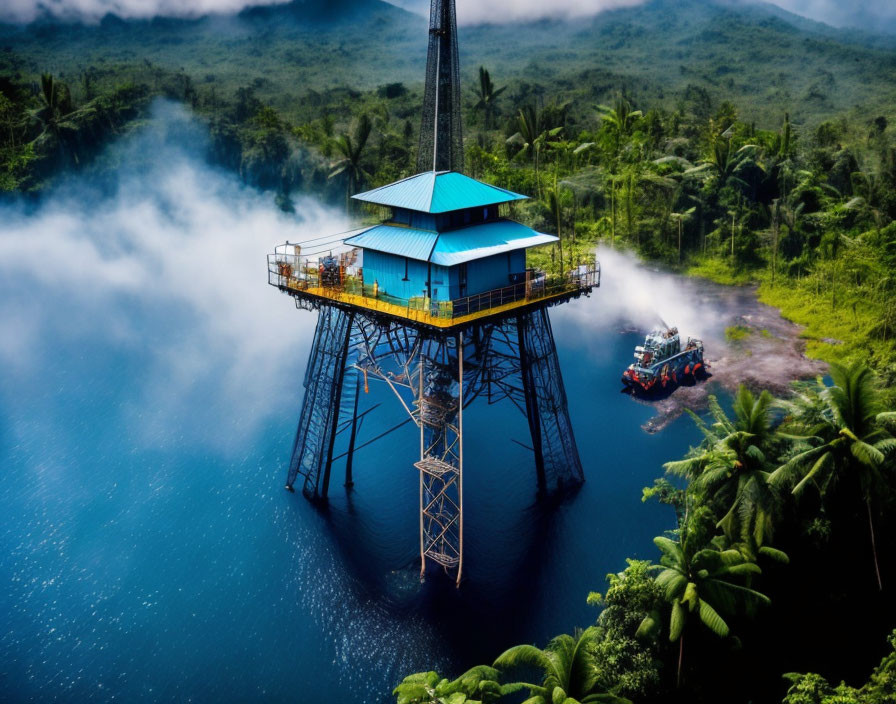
{"points": [[150, 389]]}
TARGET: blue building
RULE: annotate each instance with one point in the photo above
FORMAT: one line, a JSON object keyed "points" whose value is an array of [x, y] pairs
{"points": [[445, 237]]}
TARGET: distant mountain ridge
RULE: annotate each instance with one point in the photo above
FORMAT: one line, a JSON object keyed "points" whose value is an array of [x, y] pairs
{"points": [[765, 59]]}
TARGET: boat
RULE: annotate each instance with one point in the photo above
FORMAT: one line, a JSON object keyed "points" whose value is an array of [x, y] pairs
{"points": [[662, 362]]}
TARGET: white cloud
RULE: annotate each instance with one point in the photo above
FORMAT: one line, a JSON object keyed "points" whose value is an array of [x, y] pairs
{"points": [[869, 13], [476, 12], [92, 10], [170, 263], [865, 13]]}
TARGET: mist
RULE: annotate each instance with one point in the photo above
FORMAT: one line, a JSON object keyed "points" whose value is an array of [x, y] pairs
{"points": [[21, 11], [169, 260], [872, 15], [635, 297]]}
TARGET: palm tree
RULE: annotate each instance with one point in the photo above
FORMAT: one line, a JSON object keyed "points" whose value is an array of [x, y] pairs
{"points": [[849, 438], [532, 136], [731, 468], [487, 96], [570, 674], [697, 579], [870, 195], [620, 120], [352, 149], [555, 208], [57, 116], [680, 218], [479, 685], [727, 164]]}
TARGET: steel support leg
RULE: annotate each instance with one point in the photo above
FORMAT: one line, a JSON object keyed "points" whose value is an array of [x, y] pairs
{"points": [[557, 460], [312, 451]]}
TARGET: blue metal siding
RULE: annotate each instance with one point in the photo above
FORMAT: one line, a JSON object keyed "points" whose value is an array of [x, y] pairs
{"points": [[441, 283], [488, 274], [388, 271], [454, 282], [414, 219]]}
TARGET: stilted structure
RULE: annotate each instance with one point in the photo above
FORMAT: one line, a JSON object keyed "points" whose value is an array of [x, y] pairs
{"points": [[436, 302]]}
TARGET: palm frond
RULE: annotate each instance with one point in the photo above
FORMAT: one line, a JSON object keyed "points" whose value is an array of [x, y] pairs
{"points": [[712, 620]]}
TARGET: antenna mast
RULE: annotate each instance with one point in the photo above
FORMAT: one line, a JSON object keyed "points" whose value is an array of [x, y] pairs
{"points": [[441, 142]]}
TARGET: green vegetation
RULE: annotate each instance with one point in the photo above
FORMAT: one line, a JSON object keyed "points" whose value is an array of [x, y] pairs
{"points": [[765, 570], [731, 142], [814, 689], [736, 333], [738, 180]]}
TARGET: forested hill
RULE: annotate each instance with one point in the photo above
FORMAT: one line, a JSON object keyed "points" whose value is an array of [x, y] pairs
{"points": [[761, 58]]}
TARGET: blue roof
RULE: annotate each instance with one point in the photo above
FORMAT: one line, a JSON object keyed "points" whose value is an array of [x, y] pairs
{"points": [[468, 243], [403, 241], [452, 247], [438, 192]]}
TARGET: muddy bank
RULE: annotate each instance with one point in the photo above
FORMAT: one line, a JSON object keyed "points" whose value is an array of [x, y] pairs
{"points": [[761, 350]]}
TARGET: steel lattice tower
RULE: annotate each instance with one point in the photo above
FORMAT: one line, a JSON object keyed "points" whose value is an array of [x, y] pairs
{"points": [[436, 303], [441, 139]]}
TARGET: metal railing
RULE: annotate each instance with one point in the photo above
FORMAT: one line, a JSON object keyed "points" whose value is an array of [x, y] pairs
{"points": [[339, 278]]}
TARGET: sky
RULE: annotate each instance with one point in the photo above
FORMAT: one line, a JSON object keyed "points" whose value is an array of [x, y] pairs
{"points": [[870, 14]]}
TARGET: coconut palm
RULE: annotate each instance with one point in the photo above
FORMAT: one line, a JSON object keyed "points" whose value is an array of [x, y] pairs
{"points": [[555, 209], [57, 116], [569, 673], [351, 147], [849, 439], [487, 97], [681, 218], [533, 134], [699, 579], [870, 196], [731, 468], [726, 164], [620, 120], [478, 685]]}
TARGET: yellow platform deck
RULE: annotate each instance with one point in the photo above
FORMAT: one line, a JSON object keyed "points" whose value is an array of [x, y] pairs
{"points": [[442, 319]]}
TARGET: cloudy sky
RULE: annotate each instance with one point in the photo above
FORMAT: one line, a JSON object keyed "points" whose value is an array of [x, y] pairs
{"points": [[867, 13]]}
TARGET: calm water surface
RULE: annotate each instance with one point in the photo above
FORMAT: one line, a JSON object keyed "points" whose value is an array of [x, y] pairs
{"points": [[150, 389]]}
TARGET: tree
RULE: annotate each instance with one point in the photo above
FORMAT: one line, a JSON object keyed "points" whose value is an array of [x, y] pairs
{"points": [[570, 674], [848, 438], [533, 134], [487, 97], [730, 469], [555, 208], [627, 666], [57, 116], [478, 685], [698, 579], [727, 164], [619, 121], [352, 150], [814, 689], [680, 218]]}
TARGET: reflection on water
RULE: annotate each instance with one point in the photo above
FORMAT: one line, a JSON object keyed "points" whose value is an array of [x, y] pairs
{"points": [[152, 385]]}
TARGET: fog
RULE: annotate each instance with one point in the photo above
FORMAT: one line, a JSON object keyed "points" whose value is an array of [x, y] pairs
{"points": [[93, 10], [875, 15], [170, 245], [635, 297]]}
